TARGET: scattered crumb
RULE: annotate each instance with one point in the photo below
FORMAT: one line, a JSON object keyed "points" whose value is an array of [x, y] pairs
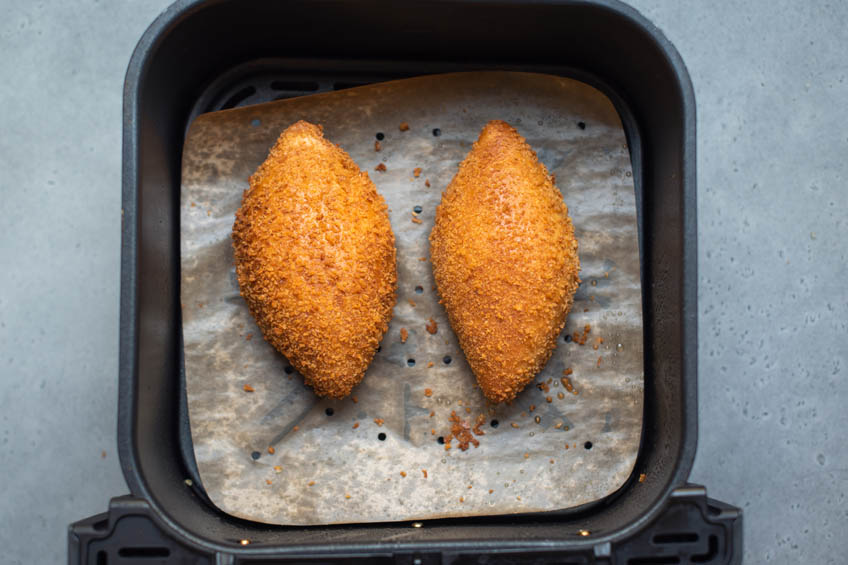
{"points": [[294, 429], [567, 371], [548, 399], [532, 407], [208, 212], [403, 474], [560, 395], [566, 382], [566, 446], [524, 414], [642, 477], [430, 364], [268, 481], [558, 425], [432, 413], [355, 425], [200, 304], [248, 337], [403, 126], [518, 498], [404, 334], [470, 486], [411, 302], [527, 456], [543, 387], [271, 449], [468, 410], [379, 421], [462, 499], [311, 483], [585, 309], [278, 469], [247, 388], [606, 275], [580, 339], [416, 172], [424, 472], [481, 419], [381, 167], [598, 364], [416, 220], [355, 400], [427, 183], [552, 461], [432, 326], [462, 432], [192, 205], [428, 392], [103, 454], [491, 490], [432, 431], [347, 496], [422, 259], [377, 146], [514, 425]]}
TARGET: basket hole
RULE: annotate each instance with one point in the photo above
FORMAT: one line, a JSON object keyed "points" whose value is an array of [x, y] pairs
{"points": [[341, 85], [657, 560], [101, 525], [440, 440], [297, 85], [102, 558], [417, 209], [680, 537], [588, 445], [144, 552], [289, 369], [239, 97], [419, 289], [410, 362], [494, 423], [447, 360], [379, 348], [256, 455], [381, 436], [712, 552], [568, 338], [581, 125], [329, 411], [380, 136], [437, 132]]}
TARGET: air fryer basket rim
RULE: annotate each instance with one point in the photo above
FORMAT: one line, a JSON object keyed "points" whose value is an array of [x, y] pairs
{"points": [[138, 69]]}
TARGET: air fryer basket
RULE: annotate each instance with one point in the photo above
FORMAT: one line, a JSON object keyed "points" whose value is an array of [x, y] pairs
{"points": [[201, 56]]}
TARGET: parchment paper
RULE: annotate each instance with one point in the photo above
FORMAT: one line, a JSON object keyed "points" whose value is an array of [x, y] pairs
{"points": [[325, 471]]}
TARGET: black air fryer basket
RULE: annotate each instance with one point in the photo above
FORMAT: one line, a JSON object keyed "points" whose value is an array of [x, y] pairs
{"points": [[202, 56]]}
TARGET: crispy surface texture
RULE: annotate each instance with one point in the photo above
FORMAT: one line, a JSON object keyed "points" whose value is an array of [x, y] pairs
{"points": [[315, 259], [505, 261]]}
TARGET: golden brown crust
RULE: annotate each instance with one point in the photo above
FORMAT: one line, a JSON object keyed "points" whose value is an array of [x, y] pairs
{"points": [[505, 261], [315, 259]]}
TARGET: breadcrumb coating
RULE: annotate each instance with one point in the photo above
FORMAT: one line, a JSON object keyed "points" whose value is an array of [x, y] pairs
{"points": [[315, 259], [505, 261]]}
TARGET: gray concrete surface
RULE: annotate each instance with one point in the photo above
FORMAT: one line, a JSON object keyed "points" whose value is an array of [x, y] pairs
{"points": [[771, 79]]}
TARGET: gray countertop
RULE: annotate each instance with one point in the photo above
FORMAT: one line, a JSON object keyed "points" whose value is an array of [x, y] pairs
{"points": [[771, 82]]}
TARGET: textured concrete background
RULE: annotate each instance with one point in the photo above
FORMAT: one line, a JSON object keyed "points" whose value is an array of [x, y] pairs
{"points": [[771, 80]]}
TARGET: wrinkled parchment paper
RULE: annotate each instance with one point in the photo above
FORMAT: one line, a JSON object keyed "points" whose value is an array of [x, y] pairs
{"points": [[325, 469]]}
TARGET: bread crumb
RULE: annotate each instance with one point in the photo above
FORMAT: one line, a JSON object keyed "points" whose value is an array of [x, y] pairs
{"points": [[416, 172], [514, 425], [271, 449], [642, 477], [428, 392], [268, 481], [432, 413], [103, 454], [532, 407], [491, 490], [355, 400], [422, 259], [424, 472], [377, 146], [411, 302], [558, 425], [311, 483], [470, 486], [294, 429], [404, 334], [432, 327], [551, 461], [527, 456], [567, 371], [427, 183], [278, 469], [548, 399], [379, 421], [247, 388], [355, 425], [462, 499], [430, 364], [598, 364], [432, 431], [347, 496], [381, 167], [403, 474], [248, 337], [416, 220], [560, 395], [403, 126]]}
